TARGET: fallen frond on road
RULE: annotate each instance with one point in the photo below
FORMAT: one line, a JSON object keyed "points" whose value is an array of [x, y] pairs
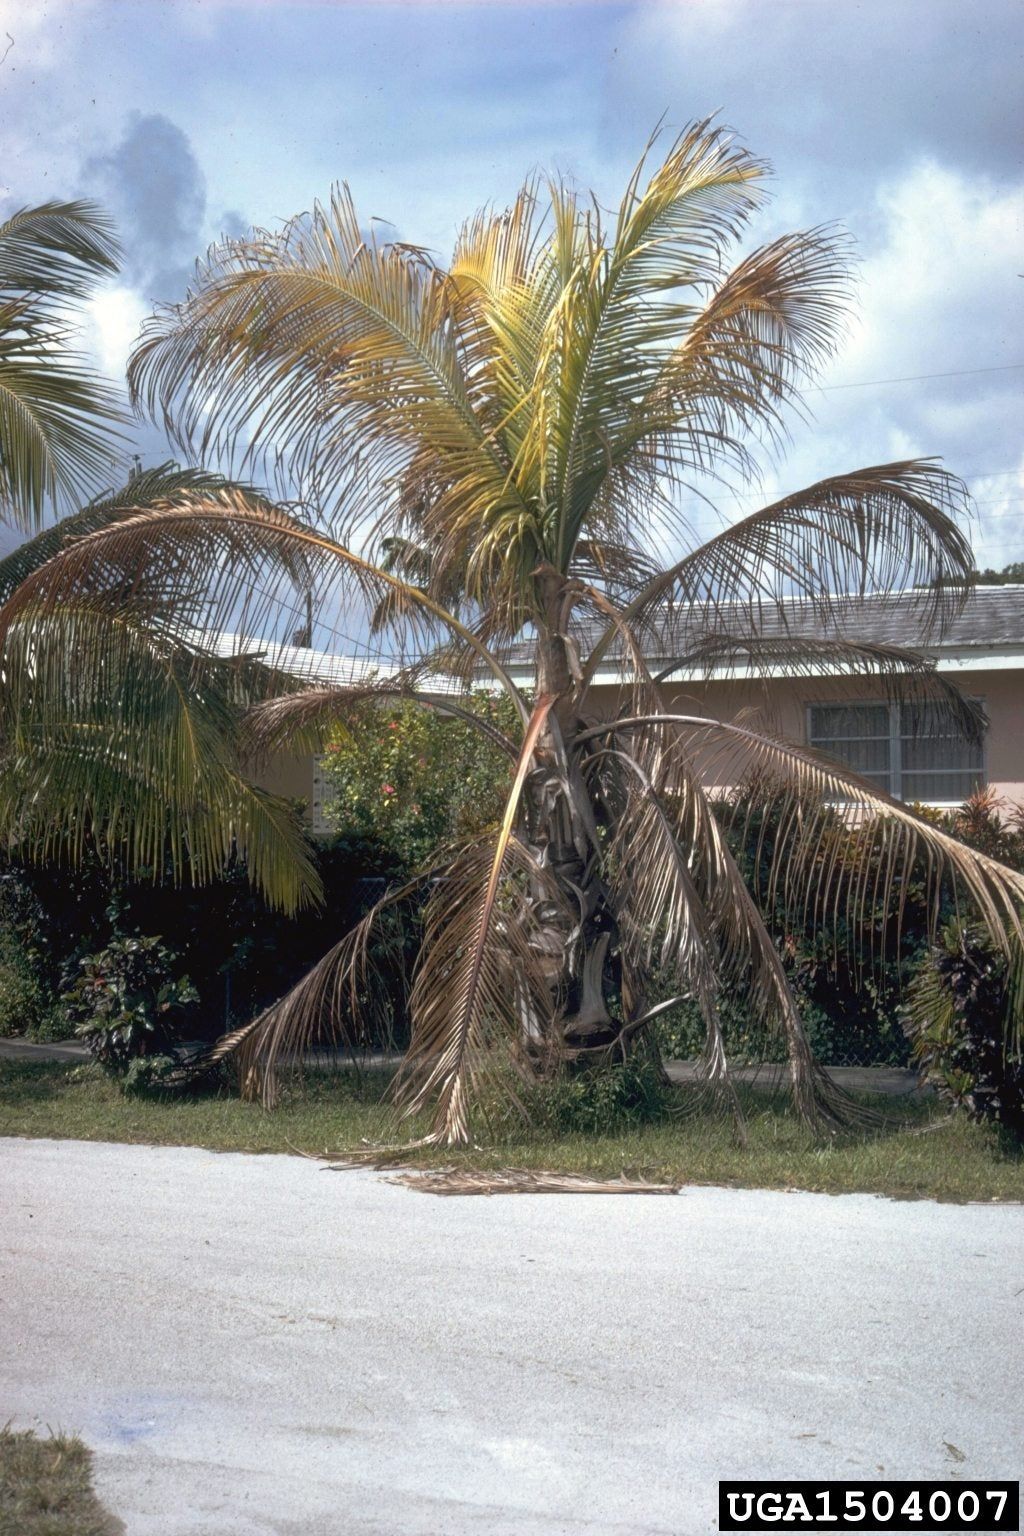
{"points": [[521, 1181]]}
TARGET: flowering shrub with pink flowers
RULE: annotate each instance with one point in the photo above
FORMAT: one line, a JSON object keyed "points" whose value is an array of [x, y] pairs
{"points": [[412, 779]]}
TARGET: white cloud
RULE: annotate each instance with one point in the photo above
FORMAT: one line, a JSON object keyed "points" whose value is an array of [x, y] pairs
{"points": [[833, 93], [939, 294], [896, 120], [113, 319], [941, 285]]}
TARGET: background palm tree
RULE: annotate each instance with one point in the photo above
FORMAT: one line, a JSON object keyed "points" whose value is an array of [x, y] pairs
{"points": [[112, 735], [121, 735], [58, 421], [493, 452]]}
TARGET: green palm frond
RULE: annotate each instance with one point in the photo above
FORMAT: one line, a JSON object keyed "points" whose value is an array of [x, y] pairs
{"points": [[604, 341], [118, 728], [59, 422], [57, 250], [118, 737], [158, 486]]}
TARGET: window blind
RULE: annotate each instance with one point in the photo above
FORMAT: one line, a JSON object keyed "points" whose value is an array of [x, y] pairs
{"points": [[909, 750]]}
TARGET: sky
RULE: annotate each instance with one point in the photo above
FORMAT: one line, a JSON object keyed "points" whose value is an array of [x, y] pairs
{"points": [[900, 120]]}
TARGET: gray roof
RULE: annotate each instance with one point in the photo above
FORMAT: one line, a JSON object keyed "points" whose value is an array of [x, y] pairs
{"points": [[993, 618], [991, 621]]}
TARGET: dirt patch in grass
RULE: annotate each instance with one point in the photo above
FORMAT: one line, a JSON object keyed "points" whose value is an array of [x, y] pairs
{"points": [[46, 1488]]}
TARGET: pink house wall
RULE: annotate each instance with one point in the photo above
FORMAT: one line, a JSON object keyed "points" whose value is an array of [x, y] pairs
{"points": [[781, 705]]}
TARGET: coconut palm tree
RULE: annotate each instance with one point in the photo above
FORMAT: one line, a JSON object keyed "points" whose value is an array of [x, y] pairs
{"points": [[490, 456], [122, 737], [58, 421], [137, 753]]}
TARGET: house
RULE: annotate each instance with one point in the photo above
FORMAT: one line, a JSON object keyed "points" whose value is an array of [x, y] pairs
{"points": [[908, 750]]}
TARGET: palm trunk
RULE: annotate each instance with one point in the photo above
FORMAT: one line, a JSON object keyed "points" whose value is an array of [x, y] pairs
{"points": [[560, 827]]}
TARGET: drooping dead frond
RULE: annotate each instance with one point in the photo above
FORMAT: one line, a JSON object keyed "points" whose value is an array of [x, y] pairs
{"points": [[903, 676], [345, 999], [483, 976], [660, 913], [663, 920], [741, 952], [880, 530], [893, 841]]}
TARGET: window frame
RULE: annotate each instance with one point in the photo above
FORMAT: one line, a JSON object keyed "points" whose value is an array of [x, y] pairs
{"points": [[896, 771]]}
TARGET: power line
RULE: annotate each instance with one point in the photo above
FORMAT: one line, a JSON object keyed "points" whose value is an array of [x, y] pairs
{"points": [[975, 527], [917, 378], [750, 496]]}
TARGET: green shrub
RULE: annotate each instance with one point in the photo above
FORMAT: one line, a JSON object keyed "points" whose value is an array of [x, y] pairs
{"points": [[597, 1100], [52, 1026], [960, 1020], [679, 1033], [127, 1002], [22, 1003], [24, 996], [239, 953], [150, 1077]]}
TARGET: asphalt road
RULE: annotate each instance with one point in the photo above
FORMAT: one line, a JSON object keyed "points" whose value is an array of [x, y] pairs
{"points": [[252, 1345]]}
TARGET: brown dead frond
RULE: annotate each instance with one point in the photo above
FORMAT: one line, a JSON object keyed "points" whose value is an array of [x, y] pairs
{"points": [[522, 1181]]}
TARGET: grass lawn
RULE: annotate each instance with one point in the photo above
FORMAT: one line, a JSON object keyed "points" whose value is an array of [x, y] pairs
{"points": [[919, 1153], [46, 1488]]}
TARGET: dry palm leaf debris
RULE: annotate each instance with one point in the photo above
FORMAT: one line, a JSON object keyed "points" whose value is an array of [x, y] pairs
{"points": [[522, 1181]]}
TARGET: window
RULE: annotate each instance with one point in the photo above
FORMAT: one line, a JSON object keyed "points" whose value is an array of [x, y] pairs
{"points": [[909, 750]]}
